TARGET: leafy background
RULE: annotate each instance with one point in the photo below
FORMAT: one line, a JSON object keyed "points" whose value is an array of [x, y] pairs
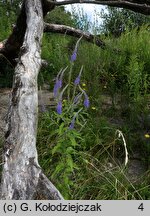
{"points": [[88, 162]]}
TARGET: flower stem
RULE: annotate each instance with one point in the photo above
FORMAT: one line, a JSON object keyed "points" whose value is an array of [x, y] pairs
{"points": [[69, 81]]}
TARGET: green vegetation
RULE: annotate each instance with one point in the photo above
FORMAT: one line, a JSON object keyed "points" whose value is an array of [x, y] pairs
{"points": [[118, 20], [7, 18], [89, 164], [88, 161]]}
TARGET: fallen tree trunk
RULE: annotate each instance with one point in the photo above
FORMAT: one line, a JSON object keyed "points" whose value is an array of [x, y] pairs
{"points": [[22, 177], [63, 29]]}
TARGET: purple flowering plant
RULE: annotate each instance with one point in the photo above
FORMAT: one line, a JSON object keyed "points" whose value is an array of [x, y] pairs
{"points": [[75, 98], [77, 80], [58, 83], [86, 101], [74, 55], [68, 119], [72, 101], [59, 107]]}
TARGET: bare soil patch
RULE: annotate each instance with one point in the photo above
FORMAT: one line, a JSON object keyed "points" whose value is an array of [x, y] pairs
{"points": [[135, 167]]}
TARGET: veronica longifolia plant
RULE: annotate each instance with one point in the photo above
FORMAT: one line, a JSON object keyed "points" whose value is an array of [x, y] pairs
{"points": [[77, 97], [77, 80], [59, 104], [59, 107], [74, 54], [71, 126], [58, 83], [86, 98], [86, 101]]}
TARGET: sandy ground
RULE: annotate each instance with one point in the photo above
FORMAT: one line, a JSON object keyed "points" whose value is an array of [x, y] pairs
{"points": [[135, 167]]}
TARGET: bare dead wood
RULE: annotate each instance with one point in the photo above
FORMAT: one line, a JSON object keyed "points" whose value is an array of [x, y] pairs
{"points": [[22, 176], [44, 63], [54, 28], [134, 5], [47, 189], [62, 29], [10, 47]]}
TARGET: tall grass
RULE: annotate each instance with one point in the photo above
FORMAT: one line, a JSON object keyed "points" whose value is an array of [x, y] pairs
{"points": [[89, 163], [121, 73]]}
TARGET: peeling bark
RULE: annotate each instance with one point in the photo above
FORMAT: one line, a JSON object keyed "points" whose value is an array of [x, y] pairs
{"points": [[46, 189], [22, 176]]}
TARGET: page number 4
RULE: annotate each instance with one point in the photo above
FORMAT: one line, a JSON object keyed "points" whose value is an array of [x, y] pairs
{"points": [[141, 207]]}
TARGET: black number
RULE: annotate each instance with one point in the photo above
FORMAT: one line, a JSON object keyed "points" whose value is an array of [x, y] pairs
{"points": [[141, 207]]}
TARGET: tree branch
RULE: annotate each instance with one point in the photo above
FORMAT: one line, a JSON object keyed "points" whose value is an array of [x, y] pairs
{"points": [[62, 29], [10, 47], [55, 28], [134, 5]]}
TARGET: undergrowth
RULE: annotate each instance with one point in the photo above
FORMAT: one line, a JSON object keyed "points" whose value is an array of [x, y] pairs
{"points": [[79, 148], [88, 161]]}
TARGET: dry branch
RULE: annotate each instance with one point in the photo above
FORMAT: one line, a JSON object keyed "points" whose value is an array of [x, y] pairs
{"points": [[10, 47], [62, 29], [134, 5]]}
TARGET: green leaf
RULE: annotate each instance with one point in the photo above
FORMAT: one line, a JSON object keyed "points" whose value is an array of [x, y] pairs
{"points": [[70, 150], [58, 169], [61, 128], [73, 141], [70, 163], [57, 148]]}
